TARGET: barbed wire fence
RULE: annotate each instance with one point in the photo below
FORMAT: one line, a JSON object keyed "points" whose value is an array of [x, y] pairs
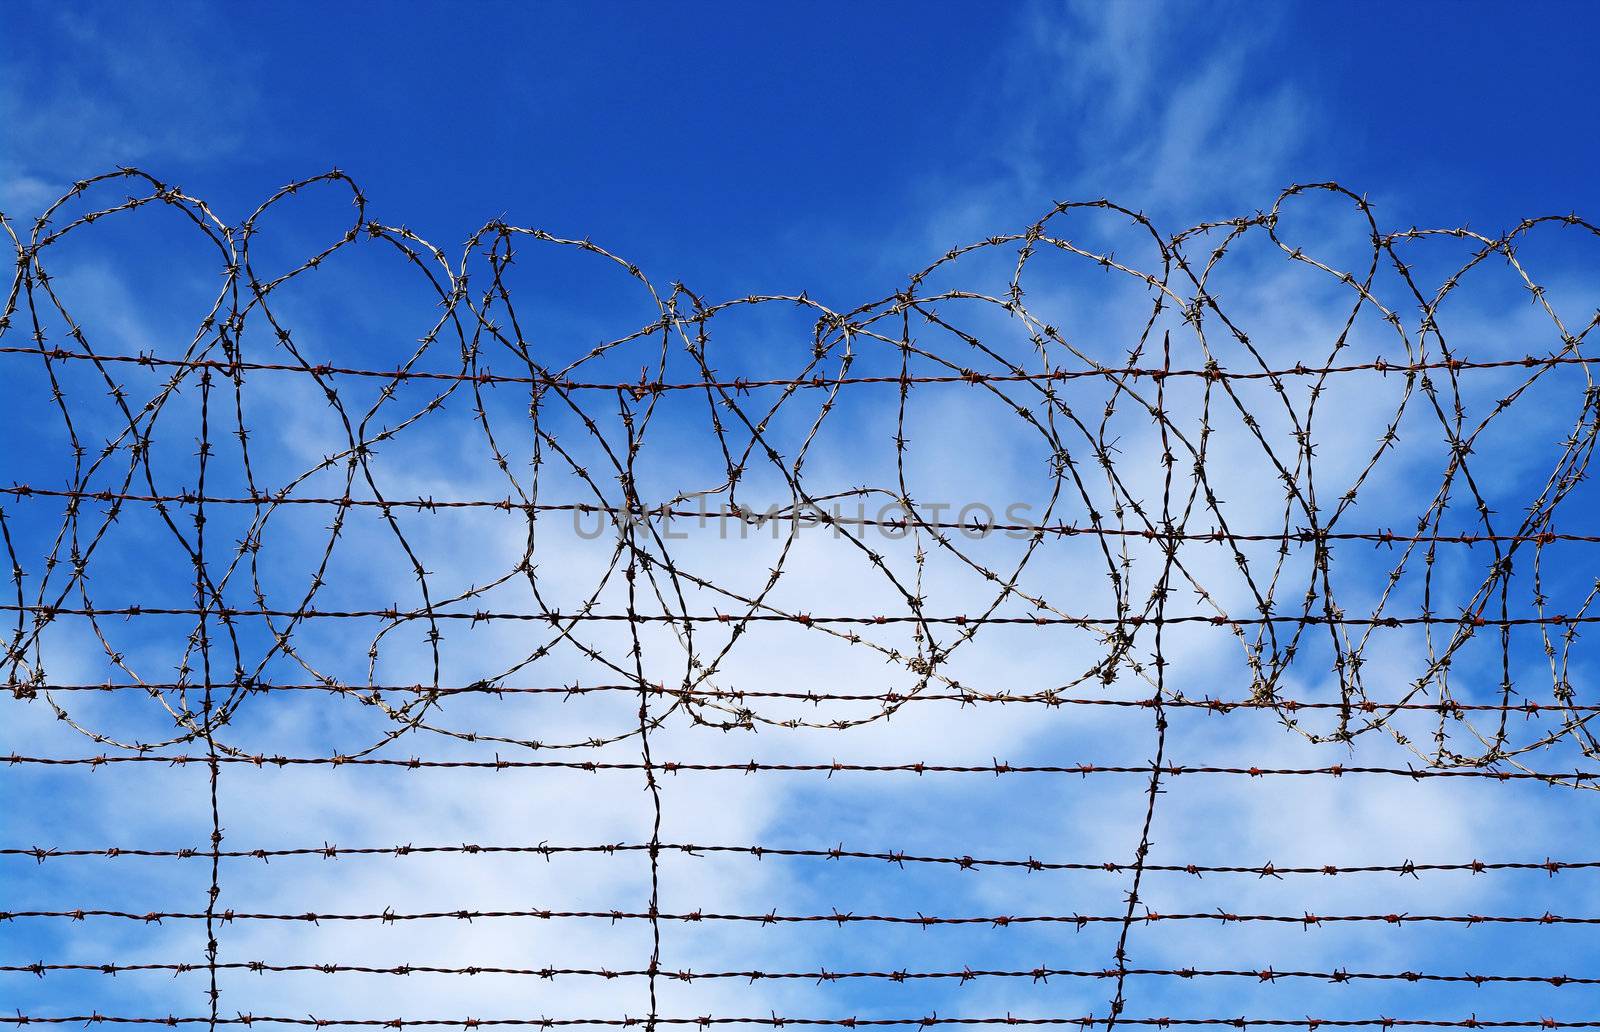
{"points": [[590, 426]]}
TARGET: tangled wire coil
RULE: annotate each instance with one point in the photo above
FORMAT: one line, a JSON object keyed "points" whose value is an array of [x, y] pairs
{"points": [[1283, 596]]}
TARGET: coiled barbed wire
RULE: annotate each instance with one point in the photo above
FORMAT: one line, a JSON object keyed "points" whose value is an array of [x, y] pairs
{"points": [[1271, 635], [577, 406]]}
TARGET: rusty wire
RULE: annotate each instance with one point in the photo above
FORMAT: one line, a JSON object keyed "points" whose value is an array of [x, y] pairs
{"points": [[218, 676]]}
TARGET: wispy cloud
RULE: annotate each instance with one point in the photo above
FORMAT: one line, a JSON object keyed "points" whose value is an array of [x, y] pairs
{"points": [[86, 89], [1163, 105]]}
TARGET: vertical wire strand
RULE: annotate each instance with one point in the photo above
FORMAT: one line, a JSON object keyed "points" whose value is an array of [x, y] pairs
{"points": [[633, 513], [1169, 547], [203, 602]]}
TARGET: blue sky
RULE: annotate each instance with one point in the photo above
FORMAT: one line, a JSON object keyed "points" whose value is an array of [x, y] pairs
{"points": [[775, 144], [832, 149]]}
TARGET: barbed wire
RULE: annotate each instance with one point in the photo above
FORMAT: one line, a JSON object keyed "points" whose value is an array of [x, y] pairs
{"points": [[1281, 604], [926, 1021], [897, 858]]}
